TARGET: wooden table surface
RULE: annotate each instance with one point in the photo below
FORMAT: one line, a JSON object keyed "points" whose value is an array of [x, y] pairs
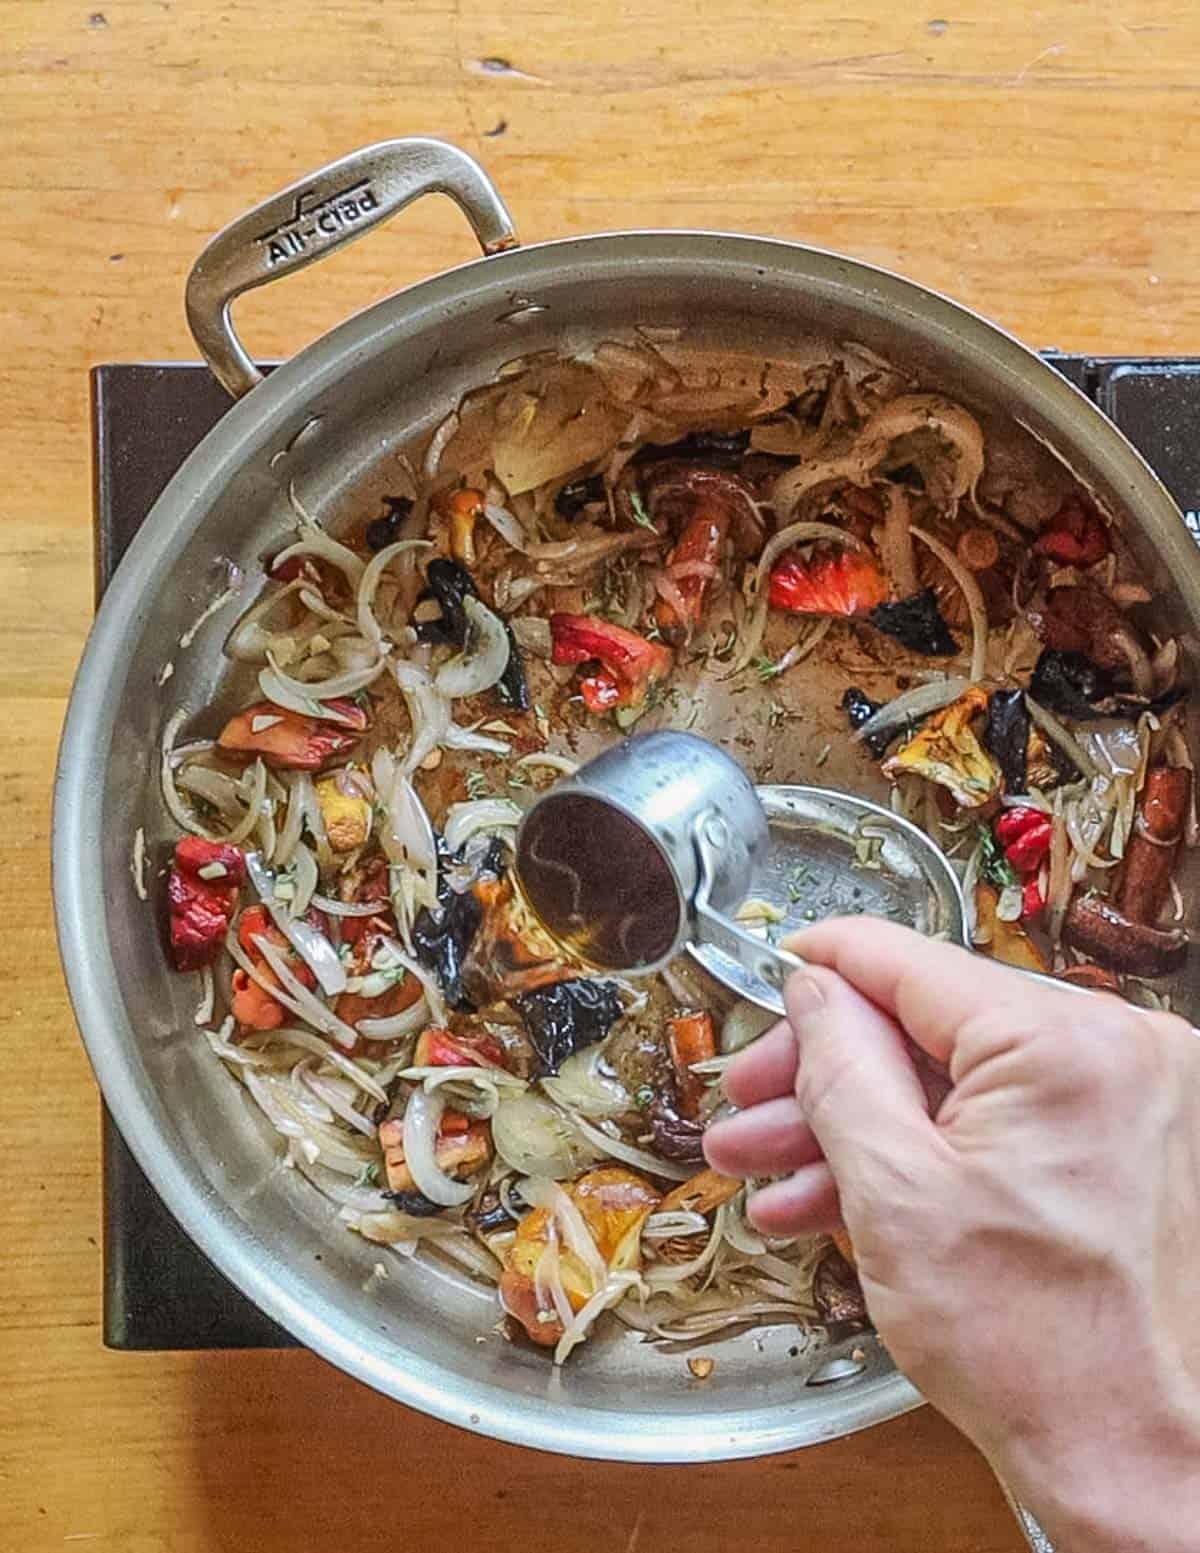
{"points": [[1032, 160]]}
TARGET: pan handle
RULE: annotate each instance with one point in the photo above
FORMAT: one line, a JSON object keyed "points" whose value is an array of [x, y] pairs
{"points": [[318, 214]]}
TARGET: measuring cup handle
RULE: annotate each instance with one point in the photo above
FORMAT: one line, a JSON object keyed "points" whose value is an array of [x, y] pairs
{"points": [[768, 964]]}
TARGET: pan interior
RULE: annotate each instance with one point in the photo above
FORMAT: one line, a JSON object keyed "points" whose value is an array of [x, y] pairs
{"points": [[329, 427]]}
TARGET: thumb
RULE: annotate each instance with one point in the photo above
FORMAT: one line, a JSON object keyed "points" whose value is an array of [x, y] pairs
{"points": [[856, 1083]]}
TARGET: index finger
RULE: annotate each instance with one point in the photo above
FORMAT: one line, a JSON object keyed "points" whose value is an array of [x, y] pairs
{"points": [[929, 988]]}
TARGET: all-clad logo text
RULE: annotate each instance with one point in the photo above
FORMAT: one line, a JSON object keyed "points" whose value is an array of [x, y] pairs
{"points": [[314, 217]]}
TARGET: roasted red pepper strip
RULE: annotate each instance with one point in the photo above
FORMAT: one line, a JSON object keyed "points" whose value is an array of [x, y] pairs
{"points": [[1033, 898], [1012, 823], [202, 908], [842, 582], [252, 1005], [1031, 848], [632, 663], [690, 1038], [291, 739], [1075, 535], [697, 555], [440, 1048]]}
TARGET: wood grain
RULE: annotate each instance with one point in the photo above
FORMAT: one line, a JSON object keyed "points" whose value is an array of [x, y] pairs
{"points": [[1033, 161]]}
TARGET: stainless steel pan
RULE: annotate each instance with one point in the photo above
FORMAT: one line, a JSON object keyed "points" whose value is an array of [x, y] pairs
{"points": [[330, 420]]}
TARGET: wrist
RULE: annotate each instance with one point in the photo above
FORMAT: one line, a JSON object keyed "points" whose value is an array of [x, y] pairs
{"points": [[1116, 1484]]}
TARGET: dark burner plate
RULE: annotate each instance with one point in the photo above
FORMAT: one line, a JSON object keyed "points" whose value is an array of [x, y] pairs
{"points": [[160, 1291]]}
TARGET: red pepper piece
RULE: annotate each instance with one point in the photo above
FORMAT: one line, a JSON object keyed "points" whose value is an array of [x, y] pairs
{"points": [[843, 582], [201, 909], [1033, 898], [698, 553], [632, 663], [289, 570], [439, 1048], [252, 1005], [1031, 849], [1013, 823], [1075, 535], [291, 739]]}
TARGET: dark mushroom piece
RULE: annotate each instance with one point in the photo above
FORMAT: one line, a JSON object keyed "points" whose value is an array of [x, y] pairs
{"points": [[563, 1018], [450, 584], [1006, 737], [837, 1292], [916, 623]]}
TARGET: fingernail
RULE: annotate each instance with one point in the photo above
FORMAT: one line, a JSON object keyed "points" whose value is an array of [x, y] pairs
{"points": [[802, 996]]}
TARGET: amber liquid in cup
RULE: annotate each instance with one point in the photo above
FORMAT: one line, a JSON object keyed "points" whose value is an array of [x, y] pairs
{"points": [[598, 883]]}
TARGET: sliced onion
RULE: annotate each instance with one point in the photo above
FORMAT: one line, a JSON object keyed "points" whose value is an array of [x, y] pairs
{"points": [[682, 569], [738, 1233], [178, 809], [793, 534], [314, 819], [437, 444], [330, 1091], [215, 787], [969, 588], [1141, 670], [313, 947], [315, 541], [614, 1289], [428, 712], [309, 1042], [663, 1277], [249, 639], [918, 702], [456, 738], [464, 820], [292, 828], [395, 1026], [547, 758], [896, 543], [668, 590], [274, 687], [407, 836], [629, 1155], [1058, 890], [256, 805], [674, 1225], [542, 1192], [744, 1023], [508, 526], [335, 908], [1054, 730], [433, 990], [534, 1137], [307, 879], [580, 1086], [548, 1285], [484, 656], [422, 1118], [347, 684], [291, 992], [808, 643], [369, 585]]}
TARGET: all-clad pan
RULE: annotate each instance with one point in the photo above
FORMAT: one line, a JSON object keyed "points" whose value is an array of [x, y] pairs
{"points": [[329, 421]]}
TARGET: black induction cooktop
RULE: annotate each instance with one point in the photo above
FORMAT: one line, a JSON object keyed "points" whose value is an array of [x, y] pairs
{"points": [[160, 1292]]}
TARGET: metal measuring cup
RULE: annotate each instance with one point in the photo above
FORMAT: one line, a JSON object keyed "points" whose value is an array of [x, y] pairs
{"points": [[644, 851], [647, 849]]}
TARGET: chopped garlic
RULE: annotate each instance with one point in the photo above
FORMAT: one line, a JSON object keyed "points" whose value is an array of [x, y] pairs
{"points": [[755, 910], [262, 723], [212, 871]]}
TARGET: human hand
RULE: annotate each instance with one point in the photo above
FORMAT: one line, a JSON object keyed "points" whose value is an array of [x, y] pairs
{"points": [[1031, 1254]]}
